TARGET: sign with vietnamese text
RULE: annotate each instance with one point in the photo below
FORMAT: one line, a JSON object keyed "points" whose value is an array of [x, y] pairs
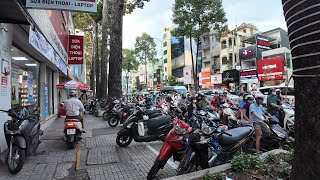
{"points": [[68, 5], [271, 68], [75, 50]]}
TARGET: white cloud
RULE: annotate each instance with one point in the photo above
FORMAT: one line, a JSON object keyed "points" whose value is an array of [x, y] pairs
{"points": [[152, 20]]}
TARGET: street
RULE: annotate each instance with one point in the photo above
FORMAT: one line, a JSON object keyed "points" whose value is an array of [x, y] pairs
{"points": [[100, 157]]}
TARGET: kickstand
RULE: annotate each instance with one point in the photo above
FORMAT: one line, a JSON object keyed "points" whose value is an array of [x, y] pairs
{"points": [[145, 145]]}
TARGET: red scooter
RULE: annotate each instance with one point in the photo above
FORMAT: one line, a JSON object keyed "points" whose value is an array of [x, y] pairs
{"points": [[174, 145]]}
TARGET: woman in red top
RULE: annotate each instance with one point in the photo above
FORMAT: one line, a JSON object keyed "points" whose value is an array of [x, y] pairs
{"points": [[214, 102]]}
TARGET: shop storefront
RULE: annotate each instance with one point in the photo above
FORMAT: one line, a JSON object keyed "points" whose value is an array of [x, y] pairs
{"points": [[248, 79], [231, 79], [24, 80]]}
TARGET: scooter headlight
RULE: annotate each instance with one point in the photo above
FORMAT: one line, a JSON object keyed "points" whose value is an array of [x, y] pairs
{"points": [[145, 118], [206, 129]]}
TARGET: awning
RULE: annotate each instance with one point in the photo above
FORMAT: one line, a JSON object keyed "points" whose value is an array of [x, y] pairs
{"points": [[73, 85], [11, 13]]}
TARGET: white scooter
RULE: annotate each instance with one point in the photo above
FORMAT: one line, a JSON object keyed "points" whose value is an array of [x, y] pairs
{"points": [[288, 121]]}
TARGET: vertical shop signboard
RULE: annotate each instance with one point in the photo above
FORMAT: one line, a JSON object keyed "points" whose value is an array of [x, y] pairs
{"points": [[15, 85], [45, 98], [75, 50], [30, 87], [4, 85]]}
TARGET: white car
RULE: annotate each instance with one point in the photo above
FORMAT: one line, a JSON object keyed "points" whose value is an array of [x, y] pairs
{"points": [[286, 92]]}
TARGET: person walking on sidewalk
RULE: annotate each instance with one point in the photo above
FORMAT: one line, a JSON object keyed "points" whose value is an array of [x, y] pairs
{"points": [[74, 107], [84, 99]]}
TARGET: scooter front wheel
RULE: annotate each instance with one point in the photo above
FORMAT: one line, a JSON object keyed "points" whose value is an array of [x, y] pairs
{"points": [[154, 169], [17, 159], [123, 140], [71, 145]]}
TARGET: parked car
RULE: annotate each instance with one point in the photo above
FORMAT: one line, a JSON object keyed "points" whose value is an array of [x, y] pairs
{"points": [[210, 95], [288, 92], [177, 89]]}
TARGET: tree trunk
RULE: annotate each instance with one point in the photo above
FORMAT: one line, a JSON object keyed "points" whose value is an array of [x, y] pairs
{"points": [[97, 60], [115, 61], [92, 72], [145, 65], [307, 95], [193, 71], [104, 51], [197, 56]]}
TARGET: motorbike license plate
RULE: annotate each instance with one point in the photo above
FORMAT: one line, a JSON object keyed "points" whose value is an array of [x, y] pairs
{"points": [[71, 131]]}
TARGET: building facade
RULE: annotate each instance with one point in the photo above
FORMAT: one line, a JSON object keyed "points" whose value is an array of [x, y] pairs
{"points": [[33, 50]]}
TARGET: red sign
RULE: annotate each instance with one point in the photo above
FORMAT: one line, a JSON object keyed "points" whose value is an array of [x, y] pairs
{"points": [[271, 68], [248, 73], [4, 81], [263, 43], [75, 50]]}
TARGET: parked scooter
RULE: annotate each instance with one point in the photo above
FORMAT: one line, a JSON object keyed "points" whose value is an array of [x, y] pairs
{"points": [[92, 106], [72, 131], [144, 126], [278, 138], [288, 119], [174, 145], [119, 114], [23, 138], [213, 145]]}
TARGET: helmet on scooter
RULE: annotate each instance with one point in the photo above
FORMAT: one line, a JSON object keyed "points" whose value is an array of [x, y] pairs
{"points": [[259, 96], [249, 97]]}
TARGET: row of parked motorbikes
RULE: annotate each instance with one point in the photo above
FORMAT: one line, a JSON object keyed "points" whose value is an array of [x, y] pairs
{"points": [[203, 139]]}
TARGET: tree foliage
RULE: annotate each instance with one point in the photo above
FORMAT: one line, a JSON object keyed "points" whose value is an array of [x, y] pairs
{"points": [[145, 49], [173, 81], [196, 17], [129, 61]]}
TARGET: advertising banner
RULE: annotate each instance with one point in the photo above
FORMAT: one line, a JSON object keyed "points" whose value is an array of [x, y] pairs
{"points": [[187, 75], [271, 68], [216, 79], [68, 5], [206, 76], [263, 43], [75, 50]]}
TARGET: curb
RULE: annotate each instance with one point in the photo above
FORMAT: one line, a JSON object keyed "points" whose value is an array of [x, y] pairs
{"points": [[216, 169]]}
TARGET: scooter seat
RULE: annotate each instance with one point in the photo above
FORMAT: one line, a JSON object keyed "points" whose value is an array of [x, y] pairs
{"points": [[149, 112], [237, 135], [158, 121]]}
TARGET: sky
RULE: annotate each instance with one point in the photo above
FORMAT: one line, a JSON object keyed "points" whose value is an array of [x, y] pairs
{"points": [[157, 14]]}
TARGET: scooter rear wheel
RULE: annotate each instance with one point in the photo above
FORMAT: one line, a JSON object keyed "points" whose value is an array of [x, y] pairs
{"points": [[123, 140], [17, 159], [113, 121]]}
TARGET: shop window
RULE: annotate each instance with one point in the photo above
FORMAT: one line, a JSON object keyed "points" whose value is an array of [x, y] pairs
{"points": [[224, 60], [165, 44], [25, 80], [223, 44]]}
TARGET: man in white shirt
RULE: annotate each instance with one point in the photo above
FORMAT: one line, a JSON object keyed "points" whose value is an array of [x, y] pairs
{"points": [[73, 107]]}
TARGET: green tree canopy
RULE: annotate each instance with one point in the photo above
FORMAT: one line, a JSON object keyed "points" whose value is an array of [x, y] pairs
{"points": [[196, 17], [129, 61], [145, 49], [173, 81]]}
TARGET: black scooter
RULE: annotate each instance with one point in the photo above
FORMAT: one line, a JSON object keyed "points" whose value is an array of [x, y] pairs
{"points": [[152, 123], [278, 138], [23, 138], [211, 145]]}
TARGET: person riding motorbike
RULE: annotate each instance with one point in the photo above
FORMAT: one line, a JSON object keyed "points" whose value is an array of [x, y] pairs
{"points": [[259, 123], [74, 107], [183, 103], [272, 103], [246, 109], [203, 102]]}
